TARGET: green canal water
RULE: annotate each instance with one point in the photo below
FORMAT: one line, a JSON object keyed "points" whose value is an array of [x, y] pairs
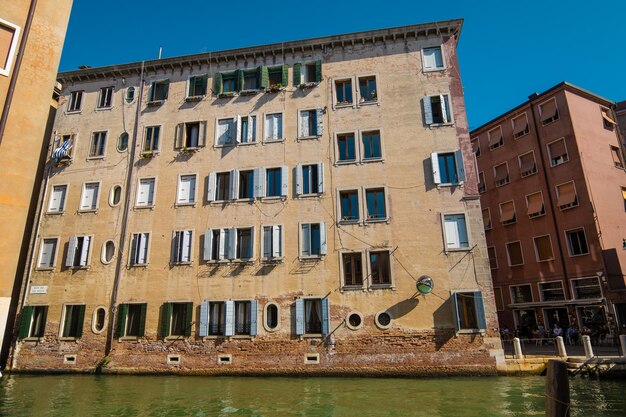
{"points": [[25, 395]]}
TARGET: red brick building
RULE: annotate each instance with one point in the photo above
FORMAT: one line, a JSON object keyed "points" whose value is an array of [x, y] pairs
{"points": [[553, 194]]}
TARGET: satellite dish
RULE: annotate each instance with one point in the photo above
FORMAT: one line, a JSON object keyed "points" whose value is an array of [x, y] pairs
{"points": [[425, 285]]}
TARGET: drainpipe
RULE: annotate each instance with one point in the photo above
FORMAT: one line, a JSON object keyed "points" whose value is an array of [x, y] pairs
{"points": [[127, 195], [550, 195]]}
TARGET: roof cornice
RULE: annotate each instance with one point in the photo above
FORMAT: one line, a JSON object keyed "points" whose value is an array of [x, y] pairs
{"points": [[324, 43]]}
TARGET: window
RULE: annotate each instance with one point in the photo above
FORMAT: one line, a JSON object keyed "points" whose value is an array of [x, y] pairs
{"points": [[309, 179], [57, 199], [520, 126], [376, 206], [108, 252], [469, 310], [507, 213], [221, 186], [182, 247], [9, 34], [250, 81], [497, 294], [432, 59], [190, 135], [217, 244], [543, 248], [482, 187], [176, 319], [272, 242], [586, 288], [617, 157], [276, 182], [371, 145], [501, 174], [312, 316], [493, 257], [89, 199], [228, 318], [495, 138], [352, 265], [243, 316], [78, 252], [98, 144], [487, 219], [476, 147], [271, 317], [115, 196], [131, 320], [145, 192], [367, 89], [33, 321], [229, 83], [65, 150], [139, 249], [311, 123], [551, 291], [47, 253], [196, 86], [105, 98], [130, 94], [514, 253], [274, 127], [448, 167], [247, 132], [186, 189], [158, 91], [122, 142], [73, 318], [343, 92], [246, 184], [217, 318], [245, 243], [521, 294], [437, 109], [577, 242], [312, 239], [151, 139], [535, 205], [549, 112], [277, 76], [527, 164], [624, 196], [308, 74], [557, 152], [225, 132], [346, 147], [455, 231], [380, 268], [75, 103], [349, 205], [566, 196], [607, 119]]}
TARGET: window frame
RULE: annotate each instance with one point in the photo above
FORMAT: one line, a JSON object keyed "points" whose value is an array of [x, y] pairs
{"points": [[193, 199], [188, 87], [89, 252], [554, 118], [508, 255], [6, 69], [498, 144], [496, 291], [526, 174], [365, 211], [537, 248], [439, 46], [70, 101], [543, 201], [110, 92], [617, 152], [361, 147], [255, 131], [488, 210], [317, 135], [131, 263], [460, 248], [483, 189], [112, 195], [495, 257], [477, 310], [233, 139], [142, 320], [569, 245], [62, 323], [29, 336], [459, 167], [478, 151], [306, 334], [342, 105], [51, 267], [376, 100], [515, 216], [152, 87], [273, 258], [566, 158], [104, 147], [340, 219], [62, 207], [355, 137], [523, 132], [576, 202], [154, 188], [103, 252], [253, 244], [449, 111], [265, 316], [323, 242], [541, 295], [152, 150], [514, 301], [575, 295], [265, 126], [94, 319], [82, 196], [495, 176], [342, 276], [174, 259]]}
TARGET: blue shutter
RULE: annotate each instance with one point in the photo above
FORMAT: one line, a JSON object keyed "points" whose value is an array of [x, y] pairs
{"points": [[480, 309], [455, 306], [254, 306], [229, 322], [325, 316], [460, 168], [300, 316], [305, 239], [203, 327], [323, 246], [428, 110]]}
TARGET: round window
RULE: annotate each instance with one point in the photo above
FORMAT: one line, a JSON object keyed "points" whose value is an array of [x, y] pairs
{"points": [[122, 142], [99, 319], [271, 317], [116, 195], [108, 252], [130, 94], [383, 320], [354, 320]]}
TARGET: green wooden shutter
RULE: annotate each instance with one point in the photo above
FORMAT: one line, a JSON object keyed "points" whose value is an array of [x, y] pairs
{"points": [[188, 319], [166, 313], [122, 313], [81, 321], [217, 84], [297, 74], [142, 320], [264, 77], [151, 92], [203, 84], [318, 71], [285, 75], [167, 88], [27, 315], [239, 76]]}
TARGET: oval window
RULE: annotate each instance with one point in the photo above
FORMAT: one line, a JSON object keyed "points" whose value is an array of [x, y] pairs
{"points": [[130, 94], [122, 142], [99, 319], [271, 317], [383, 320], [116, 195], [354, 320], [108, 252]]}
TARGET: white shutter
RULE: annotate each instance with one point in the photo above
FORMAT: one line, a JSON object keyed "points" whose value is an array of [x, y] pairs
{"points": [[429, 59], [434, 160], [238, 129], [277, 240], [254, 308], [299, 316], [452, 233], [203, 328], [179, 135], [71, 251], [320, 178], [251, 129], [299, 179], [223, 244], [305, 239], [320, 121], [229, 329], [47, 252], [142, 247], [304, 124], [232, 243], [428, 111], [183, 190], [208, 244], [284, 176], [210, 187], [90, 195], [323, 247], [234, 182], [191, 179], [187, 246], [267, 241], [460, 168], [444, 109], [57, 199], [202, 133], [275, 127], [84, 253], [259, 182]]}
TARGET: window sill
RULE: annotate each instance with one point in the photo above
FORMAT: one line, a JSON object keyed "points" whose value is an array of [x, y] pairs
{"points": [[580, 254], [434, 70], [383, 220], [172, 338], [344, 105], [227, 94], [536, 216], [352, 288], [74, 111], [308, 137], [220, 202], [545, 260], [223, 145], [213, 337], [193, 204], [274, 197], [128, 338], [349, 222], [95, 158], [151, 207], [155, 102], [68, 339], [550, 122], [346, 162], [278, 260], [251, 92], [469, 331], [194, 98], [55, 213], [182, 263], [464, 249], [138, 265], [218, 262], [450, 184], [371, 160], [77, 268], [149, 154], [568, 208], [32, 339], [242, 337], [95, 211], [369, 103], [311, 258], [278, 140], [311, 84], [447, 124], [381, 287], [312, 336], [310, 196], [104, 108], [44, 268], [251, 143], [247, 200], [243, 261]]}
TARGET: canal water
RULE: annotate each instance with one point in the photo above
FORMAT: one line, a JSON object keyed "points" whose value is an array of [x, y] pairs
{"points": [[25, 395]]}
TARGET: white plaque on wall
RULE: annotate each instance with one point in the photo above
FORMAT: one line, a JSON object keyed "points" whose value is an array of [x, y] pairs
{"points": [[39, 289]]}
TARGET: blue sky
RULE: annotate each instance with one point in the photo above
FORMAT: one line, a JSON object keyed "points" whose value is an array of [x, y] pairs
{"points": [[507, 51]]}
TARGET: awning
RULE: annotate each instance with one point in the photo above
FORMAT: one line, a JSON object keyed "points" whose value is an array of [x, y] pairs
{"points": [[495, 136], [475, 145], [535, 204], [519, 125], [557, 148], [508, 212], [567, 194], [548, 110], [561, 303], [607, 117], [501, 172], [528, 163], [486, 219]]}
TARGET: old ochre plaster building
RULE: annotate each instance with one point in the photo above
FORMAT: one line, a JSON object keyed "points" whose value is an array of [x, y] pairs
{"points": [[264, 210]]}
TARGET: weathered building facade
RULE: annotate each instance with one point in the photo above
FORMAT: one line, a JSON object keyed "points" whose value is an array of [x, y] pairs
{"points": [[264, 210], [553, 194]]}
